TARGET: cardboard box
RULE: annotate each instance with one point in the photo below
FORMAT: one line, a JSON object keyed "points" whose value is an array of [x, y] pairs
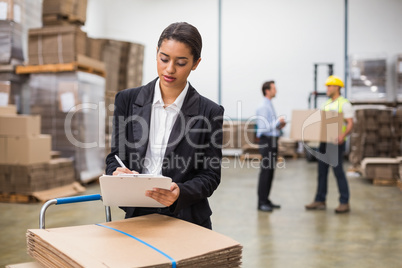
{"points": [[25, 150], [20, 125], [380, 168], [146, 241], [56, 44], [316, 125], [8, 110], [26, 179], [11, 10], [72, 11]]}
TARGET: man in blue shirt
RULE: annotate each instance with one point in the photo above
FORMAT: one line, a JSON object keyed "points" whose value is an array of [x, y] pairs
{"points": [[268, 130]]}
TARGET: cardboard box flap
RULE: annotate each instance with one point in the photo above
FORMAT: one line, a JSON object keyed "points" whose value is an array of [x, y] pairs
{"points": [[62, 191]]}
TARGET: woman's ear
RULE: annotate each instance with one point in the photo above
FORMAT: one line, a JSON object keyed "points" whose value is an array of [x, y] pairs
{"points": [[195, 65]]}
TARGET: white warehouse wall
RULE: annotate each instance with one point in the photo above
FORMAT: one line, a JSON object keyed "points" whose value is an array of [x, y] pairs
{"points": [[261, 40]]}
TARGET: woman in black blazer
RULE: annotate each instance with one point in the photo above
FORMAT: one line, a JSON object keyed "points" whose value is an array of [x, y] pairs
{"points": [[166, 127]]}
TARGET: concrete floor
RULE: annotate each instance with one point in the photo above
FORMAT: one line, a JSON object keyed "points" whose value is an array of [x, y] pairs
{"points": [[370, 236]]}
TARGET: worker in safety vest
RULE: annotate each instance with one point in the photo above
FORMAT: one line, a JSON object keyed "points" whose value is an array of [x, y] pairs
{"points": [[333, 153]]}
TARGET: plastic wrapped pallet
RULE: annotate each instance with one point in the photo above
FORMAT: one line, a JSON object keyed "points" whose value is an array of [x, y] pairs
{"points": [[10, 42], [375, 133], [73, 113], [18, 92]]}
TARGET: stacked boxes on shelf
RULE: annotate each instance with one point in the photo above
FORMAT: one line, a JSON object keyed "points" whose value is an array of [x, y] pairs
{"points": [[25, 156]]}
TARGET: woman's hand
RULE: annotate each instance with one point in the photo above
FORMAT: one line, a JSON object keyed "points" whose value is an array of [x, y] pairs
{"points": [[163, 196], [122, 170]]}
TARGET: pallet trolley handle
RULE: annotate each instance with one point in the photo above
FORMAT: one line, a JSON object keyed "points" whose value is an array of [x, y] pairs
{"points": [[69, 200]]}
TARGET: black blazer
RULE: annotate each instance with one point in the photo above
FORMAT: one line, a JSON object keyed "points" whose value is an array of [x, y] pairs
{"points": [[193, 154]]}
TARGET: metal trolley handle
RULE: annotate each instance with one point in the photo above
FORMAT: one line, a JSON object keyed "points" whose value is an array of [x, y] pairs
{"points": [[69, 200]]}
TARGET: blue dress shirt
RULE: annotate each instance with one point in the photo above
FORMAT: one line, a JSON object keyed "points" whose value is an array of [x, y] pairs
{"points": [[267, 123]]}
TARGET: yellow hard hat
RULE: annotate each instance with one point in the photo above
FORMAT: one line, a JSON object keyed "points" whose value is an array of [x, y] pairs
{"points": [[334, 81]]}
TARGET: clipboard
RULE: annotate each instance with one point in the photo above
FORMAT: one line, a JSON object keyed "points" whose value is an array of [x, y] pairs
{"points": [[129, 190]]}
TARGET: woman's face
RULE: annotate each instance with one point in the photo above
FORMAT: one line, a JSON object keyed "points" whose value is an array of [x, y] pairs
{"points": [[174, 64]]}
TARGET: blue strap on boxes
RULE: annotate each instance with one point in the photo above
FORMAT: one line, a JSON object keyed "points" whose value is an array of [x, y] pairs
{"points": [[143, 242]]}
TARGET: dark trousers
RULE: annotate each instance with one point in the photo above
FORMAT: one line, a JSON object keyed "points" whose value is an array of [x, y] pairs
{"points": [[268, 150], [331, 154]]}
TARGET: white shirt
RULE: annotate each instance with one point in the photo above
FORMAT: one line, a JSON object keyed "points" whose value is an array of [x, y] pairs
{"points": [[162, 121]]}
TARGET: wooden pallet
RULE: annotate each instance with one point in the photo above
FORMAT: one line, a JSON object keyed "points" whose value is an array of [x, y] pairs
{"points": [[17, 198], [83, 64], [381, 182], [42, 196], [399, 184], [248, 156]]}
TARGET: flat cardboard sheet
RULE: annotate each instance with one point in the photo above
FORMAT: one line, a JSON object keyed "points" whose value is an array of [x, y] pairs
{"points": [[147, 241], [130, 190]]}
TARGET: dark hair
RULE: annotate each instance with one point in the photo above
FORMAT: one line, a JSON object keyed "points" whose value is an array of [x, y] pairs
{"points": [[267, 86], [184, 33]]}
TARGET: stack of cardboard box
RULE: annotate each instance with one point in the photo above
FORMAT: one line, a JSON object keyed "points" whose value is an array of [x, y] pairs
{"points": [[373, 134], [70, 102], [25, 156], [383, 171], [239, 135], [287, 147], [123, 62], [56, 44], [146, 241], [60, 12]]}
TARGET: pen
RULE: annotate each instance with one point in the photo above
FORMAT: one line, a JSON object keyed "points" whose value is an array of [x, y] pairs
{"points": [[120, 162]]}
